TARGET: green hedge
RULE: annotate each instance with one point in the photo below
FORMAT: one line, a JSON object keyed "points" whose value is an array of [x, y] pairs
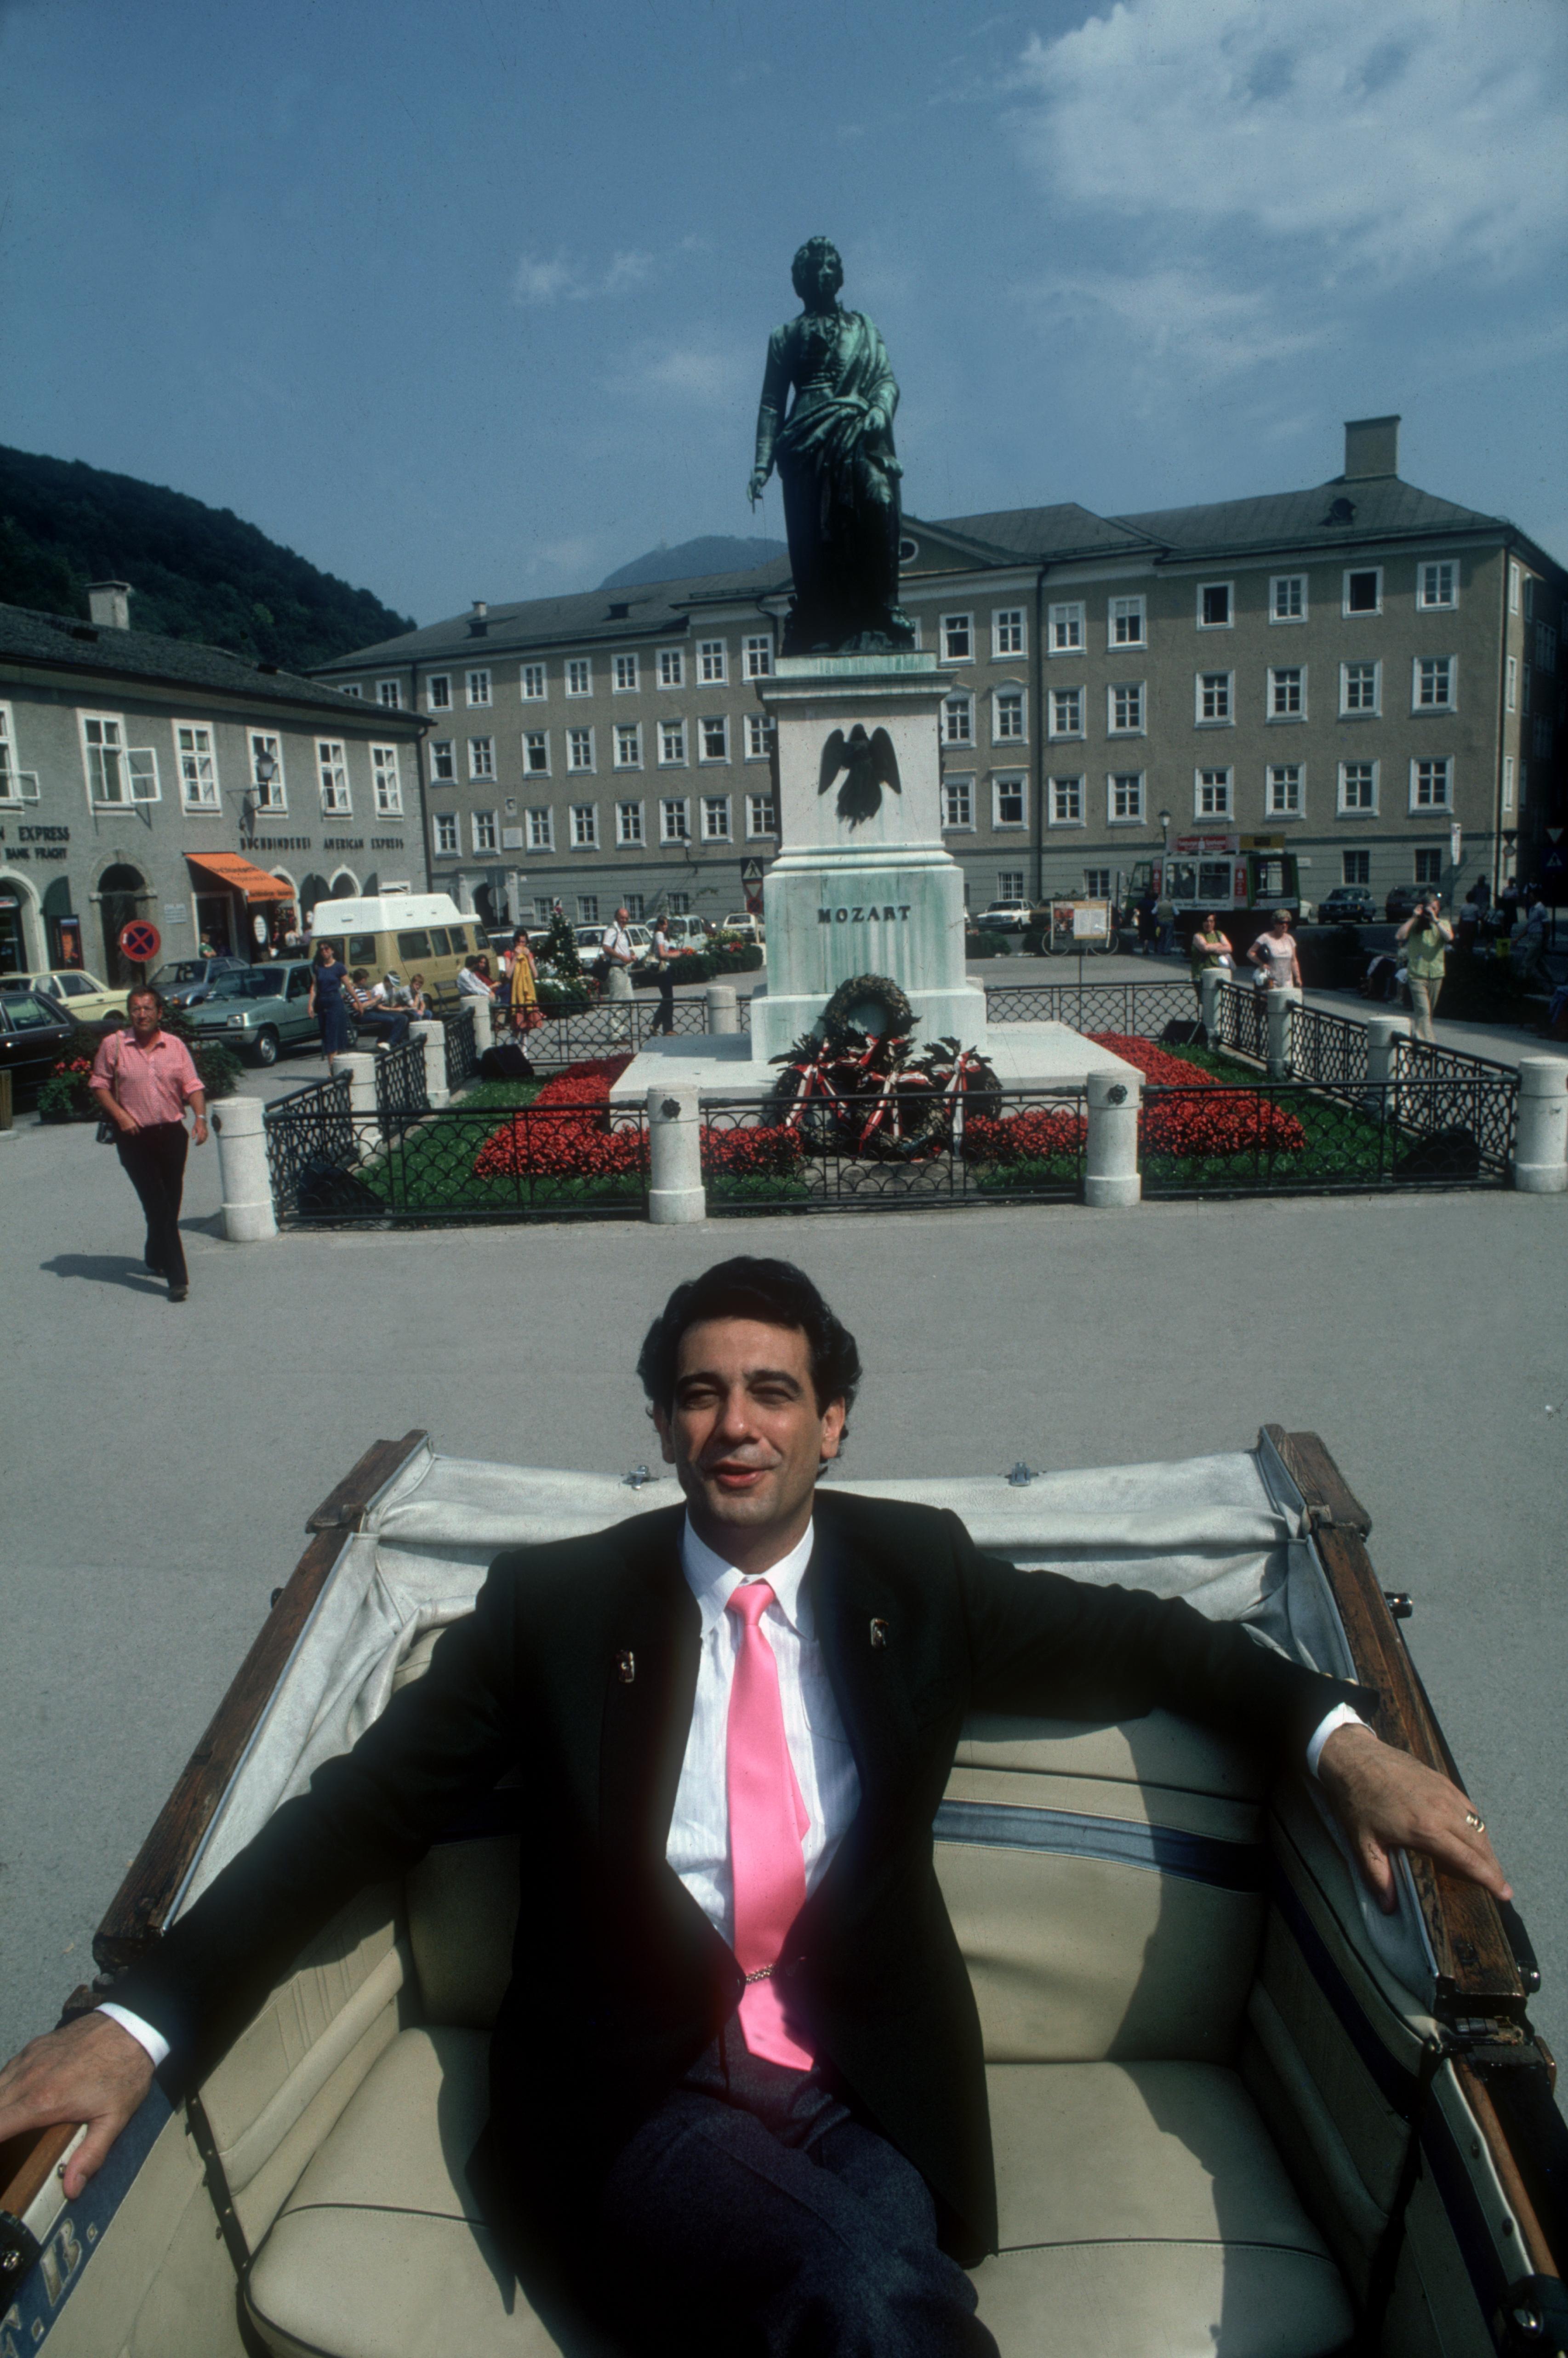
{"points": [[66, 1091]]}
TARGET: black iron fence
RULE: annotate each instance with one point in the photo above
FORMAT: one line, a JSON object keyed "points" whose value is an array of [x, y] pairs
{"points": [[462, 1054], [309, 1131], [1026, 1147], [1240, 1023], [1326, 1048], [1302, 1138], [1136, 1010], [613, 1027], [401, 1089], [333, 1168]]}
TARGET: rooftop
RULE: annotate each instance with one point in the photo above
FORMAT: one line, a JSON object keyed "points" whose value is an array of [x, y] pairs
{"points": [[62, 642]]}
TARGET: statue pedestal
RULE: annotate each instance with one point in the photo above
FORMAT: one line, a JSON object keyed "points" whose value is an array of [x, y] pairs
{"points": [[863, 884]]}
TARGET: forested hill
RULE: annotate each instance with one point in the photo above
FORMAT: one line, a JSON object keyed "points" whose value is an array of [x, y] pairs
{"points": [[195, 572]]}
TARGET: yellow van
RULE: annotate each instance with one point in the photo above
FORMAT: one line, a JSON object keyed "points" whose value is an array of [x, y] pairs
{"points": [[403, 933]]}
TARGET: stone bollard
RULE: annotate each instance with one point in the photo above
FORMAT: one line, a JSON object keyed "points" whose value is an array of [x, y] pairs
{"points": [[360, 1070], [1385, 1035], [432, 1038], [243, 1175], [675, 1156], [617, 983], [1541, 1143], [1277, 1006], [1111, 1177], [1211, 982], [723, 1014], [483, 1022]]}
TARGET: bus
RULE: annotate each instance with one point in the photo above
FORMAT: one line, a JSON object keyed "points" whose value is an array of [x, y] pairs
{"points": [[1240, 878]]}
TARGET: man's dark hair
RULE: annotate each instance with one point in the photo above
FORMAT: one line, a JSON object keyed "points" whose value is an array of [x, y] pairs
{"points": [[146, 991], [774, 1292]]}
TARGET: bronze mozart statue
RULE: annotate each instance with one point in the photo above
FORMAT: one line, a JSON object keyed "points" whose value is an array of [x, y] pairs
{"points": [[837, 466]]}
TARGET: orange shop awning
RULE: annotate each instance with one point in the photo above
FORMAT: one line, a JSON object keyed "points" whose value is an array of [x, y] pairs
{"points": [[237, 875]]}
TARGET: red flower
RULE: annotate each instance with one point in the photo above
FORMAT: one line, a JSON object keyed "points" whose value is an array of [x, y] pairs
{"points": [[766, 1152], [566, 1133]]}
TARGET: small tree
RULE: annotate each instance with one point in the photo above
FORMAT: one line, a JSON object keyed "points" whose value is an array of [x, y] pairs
{"points": [[560, 948]]}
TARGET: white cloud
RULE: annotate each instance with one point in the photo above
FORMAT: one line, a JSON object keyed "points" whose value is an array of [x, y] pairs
{"points": [[626, 270], [1403, 138], [1178, 313], [538, 280], [705, 370]]}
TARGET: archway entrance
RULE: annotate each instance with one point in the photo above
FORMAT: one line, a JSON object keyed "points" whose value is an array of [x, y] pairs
{"points": [[122, 893], [484, 902], [315, 888], [14, 958]]}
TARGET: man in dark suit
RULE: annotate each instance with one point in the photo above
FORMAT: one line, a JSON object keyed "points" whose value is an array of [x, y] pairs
{"points": [[737, 2078]]}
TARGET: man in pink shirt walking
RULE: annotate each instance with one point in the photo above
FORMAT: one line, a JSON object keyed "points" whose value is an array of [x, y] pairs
{"points": [[143, 1079]]}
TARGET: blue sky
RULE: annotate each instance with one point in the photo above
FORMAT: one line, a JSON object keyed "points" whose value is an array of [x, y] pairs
{"points": [[471, 300]]}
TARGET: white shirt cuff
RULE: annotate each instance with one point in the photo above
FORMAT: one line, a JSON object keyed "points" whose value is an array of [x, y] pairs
{"points": [[1341, 1715], [144, 2034]]}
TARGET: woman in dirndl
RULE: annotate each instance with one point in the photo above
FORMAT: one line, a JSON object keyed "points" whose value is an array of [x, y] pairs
{"points": [[522, 990]]}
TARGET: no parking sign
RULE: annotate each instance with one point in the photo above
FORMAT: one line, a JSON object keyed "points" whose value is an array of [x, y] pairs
{"points": [[140, 941]]}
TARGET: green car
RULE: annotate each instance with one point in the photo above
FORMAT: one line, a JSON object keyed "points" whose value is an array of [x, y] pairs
{"points": [[260, 1011]]}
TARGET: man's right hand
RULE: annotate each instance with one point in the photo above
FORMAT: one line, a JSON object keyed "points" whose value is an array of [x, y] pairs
{"points": [[92, 2069]]}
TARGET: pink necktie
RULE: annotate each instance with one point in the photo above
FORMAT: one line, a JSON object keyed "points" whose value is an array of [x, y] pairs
{"points": [[767, 1822]]}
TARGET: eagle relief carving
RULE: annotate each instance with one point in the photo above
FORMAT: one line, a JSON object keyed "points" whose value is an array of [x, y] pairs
{"points": [[870, 763]]}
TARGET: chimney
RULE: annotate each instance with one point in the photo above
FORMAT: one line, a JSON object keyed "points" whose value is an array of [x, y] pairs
{"points": [[1372, 446], [109, 602], [478, 623]]}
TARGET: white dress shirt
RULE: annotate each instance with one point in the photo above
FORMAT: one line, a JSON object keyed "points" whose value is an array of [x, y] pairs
{"points": [[698, 1844]]}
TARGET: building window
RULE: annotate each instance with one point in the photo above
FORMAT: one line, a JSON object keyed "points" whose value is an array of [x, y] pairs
{"points": [[1007, 716], [629, 823], [331, 761], [1126, 704], [113, 774], [1125, 798], [352, 688], [1010, 884], [1285, 789], [1213, 699], [1358, 789], [443, 763], [536, 752], [1545, 647], [1431, 785], [628, 745], [1513, 587], [1064, 630], [957, 638], [532, 683], [1126, 622], [12, 788], [482, 757], [1360, 687], [1437, 585], [759, 658], [1066, 712], [1540, 741], [678, 904], [958, 803], [712, 663], [637, 906], [484, 834], [1287, 692], [674, 820], [757, 727], [625, 674], [479, 687], [198, 766], [389, 694], [1356, 868], [672, 743], [587, 908], [1097, 883], [579, 676], [715, 738], [1364, 591], [1010, 800], [270, 793], [541, 829], [672, 666], [1214, 606], [762, 818], [1513, 684], [1007, 632], [438, 692], [1428, 867], [958, 721], [580, 748], [386, 780], [1434, 684], [716, 819], [1507, 782], [1288, 598], [1212, 798], [446, 835], [585, 827], [1529, 677], [1066, 802]]}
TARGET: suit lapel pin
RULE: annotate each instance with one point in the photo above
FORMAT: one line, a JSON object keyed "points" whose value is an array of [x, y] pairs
{"points": [[626, 1664], [879, 1636]]}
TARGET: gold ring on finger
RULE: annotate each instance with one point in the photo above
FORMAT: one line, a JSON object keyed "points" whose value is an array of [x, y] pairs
{"points": [[1479, 1824]]}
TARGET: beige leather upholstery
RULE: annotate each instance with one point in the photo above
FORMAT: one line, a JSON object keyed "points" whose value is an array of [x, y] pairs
{"points": [[1144, 2211]]}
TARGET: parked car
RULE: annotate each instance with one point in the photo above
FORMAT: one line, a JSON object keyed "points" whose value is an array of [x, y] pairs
{"points": [[85, 998], [1007, 917], [186, 981], [34, 1030], [749, 928], [687, 933], [260, 1011], [1402, 902], [1348, 904]]}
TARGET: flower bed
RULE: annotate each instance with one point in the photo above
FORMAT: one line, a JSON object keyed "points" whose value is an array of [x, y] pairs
{"points": [[566, 1133], [765, 1152], [1035, 1136], [1236, 1121]]}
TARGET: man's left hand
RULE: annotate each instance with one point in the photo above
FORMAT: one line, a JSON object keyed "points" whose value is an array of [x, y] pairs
{"points": [[200, 1131], [1387, 1802]]}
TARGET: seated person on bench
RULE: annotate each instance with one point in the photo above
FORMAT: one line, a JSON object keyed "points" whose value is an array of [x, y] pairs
{"points": [[736, 2079], [371, 1013]]}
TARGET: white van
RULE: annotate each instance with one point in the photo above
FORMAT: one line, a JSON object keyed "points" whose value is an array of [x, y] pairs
{"points": [[401, 934]]}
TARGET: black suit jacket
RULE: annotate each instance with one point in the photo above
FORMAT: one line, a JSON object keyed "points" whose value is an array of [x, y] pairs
{"points": [[619, 1981]]}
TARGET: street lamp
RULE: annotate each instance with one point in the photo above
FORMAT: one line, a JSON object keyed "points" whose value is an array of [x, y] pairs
{"points": [[1165, 849]]}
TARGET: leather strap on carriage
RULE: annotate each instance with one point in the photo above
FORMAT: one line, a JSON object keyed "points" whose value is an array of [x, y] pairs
{"points": [[1391, 2243], [217, 2180]]}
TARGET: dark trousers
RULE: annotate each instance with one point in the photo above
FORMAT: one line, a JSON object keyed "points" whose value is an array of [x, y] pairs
{"points": [[665, 1018], [754, 2214], [392, 1026], [154, 1160]]}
